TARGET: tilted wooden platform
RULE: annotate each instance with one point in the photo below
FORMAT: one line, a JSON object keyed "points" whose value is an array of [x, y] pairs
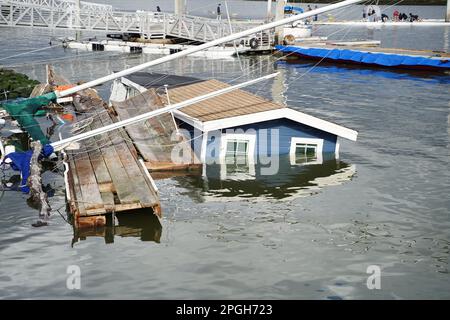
{"points": [[156, 138], [105, 175]]}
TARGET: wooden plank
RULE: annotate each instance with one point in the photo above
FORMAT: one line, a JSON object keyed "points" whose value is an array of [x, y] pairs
{"points": [[124, 161], [88, 183], [117, 172], [78, 198], [91, 222], [111, 163], [108, 201], [139, 134], [40, 89], [119, 177], [142, 189], [153, 137], [171, 166]]}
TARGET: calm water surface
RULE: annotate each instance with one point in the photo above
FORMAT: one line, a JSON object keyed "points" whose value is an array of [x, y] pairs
{"points": [[309, 232]]}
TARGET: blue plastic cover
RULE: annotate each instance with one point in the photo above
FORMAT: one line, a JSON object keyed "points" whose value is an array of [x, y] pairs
{"points": [[376, 58], [292, 8], [20, 161]]}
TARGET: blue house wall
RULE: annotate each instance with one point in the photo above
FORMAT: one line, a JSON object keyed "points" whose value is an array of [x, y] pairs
{"points": [[287, 129]]}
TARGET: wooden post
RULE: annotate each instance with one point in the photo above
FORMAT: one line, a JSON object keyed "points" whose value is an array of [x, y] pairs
{"points": [[279, 15], [38, 198]]}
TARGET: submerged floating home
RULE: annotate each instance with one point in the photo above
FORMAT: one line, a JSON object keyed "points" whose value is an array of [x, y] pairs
{"points": [[238, 126]]}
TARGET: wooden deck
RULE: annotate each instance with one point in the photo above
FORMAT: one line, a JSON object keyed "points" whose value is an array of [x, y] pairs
{"points": [[105, 175], [156, 138]]}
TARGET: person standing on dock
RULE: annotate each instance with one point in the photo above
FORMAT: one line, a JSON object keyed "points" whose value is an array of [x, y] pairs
{"points": [[316, 17], [219, 13], [309, 9], [158, 9], [396, 15]]}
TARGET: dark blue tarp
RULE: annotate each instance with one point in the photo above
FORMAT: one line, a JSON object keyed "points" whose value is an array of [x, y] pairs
{"points": [[372, 58]]}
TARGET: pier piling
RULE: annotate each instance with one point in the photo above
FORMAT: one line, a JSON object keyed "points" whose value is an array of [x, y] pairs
{"points": [[447, 16]]}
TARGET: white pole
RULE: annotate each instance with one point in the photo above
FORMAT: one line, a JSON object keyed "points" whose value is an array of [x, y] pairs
{"points": [[180, 7], [279, 15], [447, 16], [204, 46], [58, 145], [269, 10], [231, 30], [77, 20]]}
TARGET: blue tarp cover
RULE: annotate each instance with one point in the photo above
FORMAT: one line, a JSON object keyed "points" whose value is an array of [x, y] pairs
{"points": [[381, 59], [20, 161], [292, 8]]}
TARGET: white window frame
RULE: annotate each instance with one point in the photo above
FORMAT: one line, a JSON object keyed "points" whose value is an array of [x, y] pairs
{"points": [[319, 150], [251, 138]]}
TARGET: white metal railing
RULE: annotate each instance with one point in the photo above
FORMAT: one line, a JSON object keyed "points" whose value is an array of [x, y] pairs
{"points": [[63, 14]]}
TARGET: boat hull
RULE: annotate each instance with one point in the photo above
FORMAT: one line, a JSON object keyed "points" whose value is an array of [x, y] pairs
{"points": [[367, 59]]}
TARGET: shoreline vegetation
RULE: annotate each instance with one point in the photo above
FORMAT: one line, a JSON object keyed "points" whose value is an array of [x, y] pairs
{"points": [[381, 2], [15, 85]]}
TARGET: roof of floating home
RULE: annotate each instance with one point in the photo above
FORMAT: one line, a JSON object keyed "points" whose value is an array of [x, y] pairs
{"points": [[239, 108], [236, 108], [156, 80], [228, 105]]}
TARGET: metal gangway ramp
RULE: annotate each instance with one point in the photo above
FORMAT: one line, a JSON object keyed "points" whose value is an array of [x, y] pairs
{"points": [[80, 15]]}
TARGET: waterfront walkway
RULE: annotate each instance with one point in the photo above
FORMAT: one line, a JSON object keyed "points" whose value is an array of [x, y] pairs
{"points": [[66, 15]]}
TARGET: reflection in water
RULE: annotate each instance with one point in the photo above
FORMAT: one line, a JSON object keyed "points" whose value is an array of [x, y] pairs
{"points": [[292, 180], [141, 224]]}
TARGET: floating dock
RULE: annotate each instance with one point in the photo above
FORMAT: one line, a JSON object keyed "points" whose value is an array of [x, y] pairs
{"points": [[105, 174], [369, 56], [109, 173], [423, 23], [154, 48]]}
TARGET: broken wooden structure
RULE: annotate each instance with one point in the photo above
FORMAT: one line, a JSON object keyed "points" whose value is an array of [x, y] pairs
{"points": [[105, 174], [156, 138]]}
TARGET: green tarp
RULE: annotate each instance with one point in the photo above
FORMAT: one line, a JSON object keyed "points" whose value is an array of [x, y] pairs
{"points": [[24, 112]]}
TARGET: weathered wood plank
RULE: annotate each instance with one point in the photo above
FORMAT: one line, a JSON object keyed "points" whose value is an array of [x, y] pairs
{"points": [[153, 138], [78, 198], [142, 189], [118, 172], [106, 169], [88, 183]]}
